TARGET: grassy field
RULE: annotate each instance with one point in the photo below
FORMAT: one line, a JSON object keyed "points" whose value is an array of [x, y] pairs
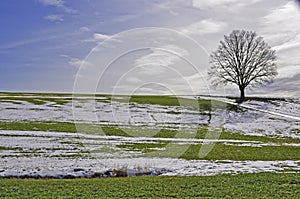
{"points": [[115, 131], [43, 98], [262, 185], [267, 148], [259, 185]]}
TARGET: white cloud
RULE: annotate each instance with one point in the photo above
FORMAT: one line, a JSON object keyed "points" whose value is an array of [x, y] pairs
{"points": [[293, 43], [281, 29], [54, 18], [59, 4], [69, 10], [283, 15], [164, 56], [52, 2], [170, 6], [204, 4], [84, 29], [211, 3], [205, 26], [100, 37], [158, 62], [282, 25], [76, 62], [288, 72]]}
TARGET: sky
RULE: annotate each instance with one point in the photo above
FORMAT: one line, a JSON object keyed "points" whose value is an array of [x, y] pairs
{"points": [[138, 46]]}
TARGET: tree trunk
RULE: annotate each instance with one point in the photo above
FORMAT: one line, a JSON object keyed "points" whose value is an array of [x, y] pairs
{"points": [[242, 97]]}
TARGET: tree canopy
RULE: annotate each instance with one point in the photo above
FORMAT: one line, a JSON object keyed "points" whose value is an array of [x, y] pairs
{"points": [[243, 59]]}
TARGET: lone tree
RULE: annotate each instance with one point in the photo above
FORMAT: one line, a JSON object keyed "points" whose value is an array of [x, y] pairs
{"points": [[243, 59]]}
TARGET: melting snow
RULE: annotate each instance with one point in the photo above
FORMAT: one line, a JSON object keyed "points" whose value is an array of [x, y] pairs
{"points": [[54, 154]]}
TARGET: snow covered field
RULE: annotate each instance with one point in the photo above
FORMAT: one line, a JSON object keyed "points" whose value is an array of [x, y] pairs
{"points": [[56, 154], [274, 118], [245, 120]]}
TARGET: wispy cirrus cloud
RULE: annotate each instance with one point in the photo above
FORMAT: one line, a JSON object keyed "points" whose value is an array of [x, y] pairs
{"points": [[281, 28], [84, 29], [75, 62], [206, 26], [211, 3], [54, 18], [204, 4], [52, 2], [164, 56], [59, 4], [159, 70], [98, 38]]}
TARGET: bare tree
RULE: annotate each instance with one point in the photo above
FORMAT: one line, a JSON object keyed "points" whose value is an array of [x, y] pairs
{"points": [[243, 59]]}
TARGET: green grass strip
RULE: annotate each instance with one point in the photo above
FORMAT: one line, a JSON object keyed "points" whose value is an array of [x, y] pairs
{"points": [[261, 185]]}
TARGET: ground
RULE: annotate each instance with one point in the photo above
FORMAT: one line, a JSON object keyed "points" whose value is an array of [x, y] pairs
{"points": [[157, 135], [260, 185]]}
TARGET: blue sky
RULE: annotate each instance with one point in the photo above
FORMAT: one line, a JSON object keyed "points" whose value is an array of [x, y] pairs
{"points": [[43, 43]]}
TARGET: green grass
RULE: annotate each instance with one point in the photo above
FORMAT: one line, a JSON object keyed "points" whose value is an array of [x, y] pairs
{"points": [[168, 100], [62, 127], [221, 151], [4, 148], [143, 147], [35, 100], [114, 131], [166, 133], [38, 126], [14, 100], [148, 99], [202, 132], [261, 185], [11, 148]]}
